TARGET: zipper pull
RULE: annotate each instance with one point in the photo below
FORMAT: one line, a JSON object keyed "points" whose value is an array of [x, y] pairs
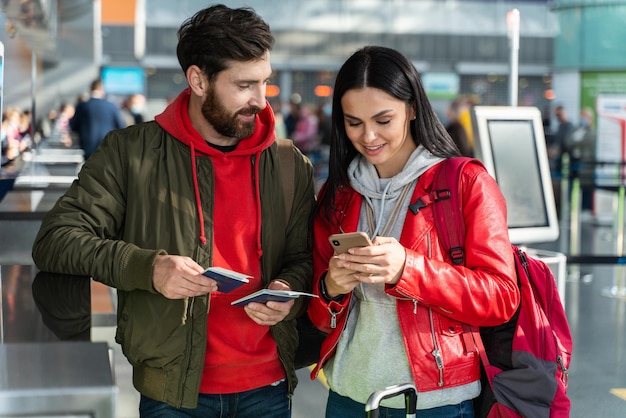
{"points": [[559, 360], [437, 354], [333, 320]]}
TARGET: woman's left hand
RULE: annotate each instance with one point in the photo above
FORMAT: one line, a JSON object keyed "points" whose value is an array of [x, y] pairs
{"points": [[382, 262]]}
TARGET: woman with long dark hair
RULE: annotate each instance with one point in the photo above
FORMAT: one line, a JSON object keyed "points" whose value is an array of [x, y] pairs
{"points": [[398, 310]]}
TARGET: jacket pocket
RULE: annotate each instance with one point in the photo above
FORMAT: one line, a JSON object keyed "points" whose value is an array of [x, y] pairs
{"points": [[152, 329], [455, 338]]}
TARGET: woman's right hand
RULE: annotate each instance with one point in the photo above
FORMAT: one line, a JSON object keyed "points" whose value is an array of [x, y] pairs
{"points": [[339, 280]]}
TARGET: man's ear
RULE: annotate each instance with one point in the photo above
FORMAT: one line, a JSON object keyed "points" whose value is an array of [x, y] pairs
{"points": [[197, 80]]}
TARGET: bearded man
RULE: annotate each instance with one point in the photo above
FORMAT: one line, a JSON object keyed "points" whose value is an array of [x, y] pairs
{"points": [[199, 186]]}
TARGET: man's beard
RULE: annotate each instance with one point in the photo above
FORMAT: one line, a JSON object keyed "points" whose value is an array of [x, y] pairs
{"points": [[225, 123]]}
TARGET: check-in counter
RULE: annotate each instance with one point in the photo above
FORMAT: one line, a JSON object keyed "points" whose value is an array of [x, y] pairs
{"points": [[48, 364], [56, 379], [36, 183]]}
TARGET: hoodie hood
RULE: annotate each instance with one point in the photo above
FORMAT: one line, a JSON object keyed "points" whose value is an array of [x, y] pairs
{"points": [[382, 194], [364, 177], [175, 121]]}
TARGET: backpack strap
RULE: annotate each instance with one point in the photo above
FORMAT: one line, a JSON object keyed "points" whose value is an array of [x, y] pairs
{"points": [[288, 164], [448, 216], [448, 212]]}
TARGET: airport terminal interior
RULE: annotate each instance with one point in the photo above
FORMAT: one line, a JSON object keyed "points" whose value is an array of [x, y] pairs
{"points": [[58, 355], [44, 316]]}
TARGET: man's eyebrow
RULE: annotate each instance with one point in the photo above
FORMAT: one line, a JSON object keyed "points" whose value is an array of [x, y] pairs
{"points": [[252, 80]]}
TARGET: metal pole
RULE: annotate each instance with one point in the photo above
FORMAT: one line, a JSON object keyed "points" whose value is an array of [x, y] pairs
{"points": [[575, 199], [33, 89], [513, 23]]}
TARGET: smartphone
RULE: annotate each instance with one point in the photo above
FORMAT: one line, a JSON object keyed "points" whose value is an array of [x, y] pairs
{"points": [[343, 242]]}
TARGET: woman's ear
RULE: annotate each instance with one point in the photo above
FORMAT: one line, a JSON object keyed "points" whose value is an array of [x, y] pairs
{"points": [[197, 80]]}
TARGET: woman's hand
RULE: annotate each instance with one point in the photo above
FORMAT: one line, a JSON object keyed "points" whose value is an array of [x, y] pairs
{"points": [[382, 262], [339, 280]]}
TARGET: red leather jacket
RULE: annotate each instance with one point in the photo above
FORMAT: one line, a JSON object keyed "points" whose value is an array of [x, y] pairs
{"points": [[437, 302]]}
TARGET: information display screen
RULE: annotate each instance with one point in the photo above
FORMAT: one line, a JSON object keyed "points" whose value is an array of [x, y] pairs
{"points": [[511, 143], [123, 80]]}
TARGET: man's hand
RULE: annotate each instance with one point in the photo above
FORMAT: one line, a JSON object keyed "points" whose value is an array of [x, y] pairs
{"points": [[178, 277], [272, 312]]}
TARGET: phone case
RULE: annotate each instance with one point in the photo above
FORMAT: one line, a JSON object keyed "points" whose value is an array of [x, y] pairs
{"points": [[343, 242]]}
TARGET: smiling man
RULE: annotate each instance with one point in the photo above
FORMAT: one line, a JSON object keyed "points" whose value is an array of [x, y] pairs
{"points": [[160, 201]]}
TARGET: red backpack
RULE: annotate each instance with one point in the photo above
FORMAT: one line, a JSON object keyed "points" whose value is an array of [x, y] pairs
{"points": [[526, 360]]}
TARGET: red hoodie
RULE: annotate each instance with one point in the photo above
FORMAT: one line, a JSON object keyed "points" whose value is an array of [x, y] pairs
{"points": [[241, 355]]}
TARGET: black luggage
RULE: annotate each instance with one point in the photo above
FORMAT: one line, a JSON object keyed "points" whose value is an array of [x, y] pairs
{"points": [[410, 399]]}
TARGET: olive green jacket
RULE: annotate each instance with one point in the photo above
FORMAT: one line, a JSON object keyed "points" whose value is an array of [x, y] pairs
{"points": [[133, 200]]}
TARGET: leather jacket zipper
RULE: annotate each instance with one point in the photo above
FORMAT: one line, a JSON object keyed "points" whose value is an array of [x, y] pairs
{"points": [[436, 349], [333, 318], [333, 324]]}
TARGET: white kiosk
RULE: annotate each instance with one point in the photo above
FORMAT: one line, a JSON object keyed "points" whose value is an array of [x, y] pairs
{"points": [[510, 142]]}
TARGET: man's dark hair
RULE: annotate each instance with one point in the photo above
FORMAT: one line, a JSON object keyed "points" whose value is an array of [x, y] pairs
{"points": [[218, 34]]}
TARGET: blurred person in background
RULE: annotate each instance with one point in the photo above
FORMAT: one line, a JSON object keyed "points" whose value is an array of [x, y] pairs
{"points": [[61, 131], [13, 145], [556, 146], [456, 129], [305, 136], [94, 118], [280, 128], [132, 109], [293, 114], [581, 147]]}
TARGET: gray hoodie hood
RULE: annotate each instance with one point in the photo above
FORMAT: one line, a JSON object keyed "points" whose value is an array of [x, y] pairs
{"points": [[364, 179]]}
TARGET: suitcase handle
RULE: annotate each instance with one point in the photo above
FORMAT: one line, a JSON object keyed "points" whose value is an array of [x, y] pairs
{"points": [[410, 399]]}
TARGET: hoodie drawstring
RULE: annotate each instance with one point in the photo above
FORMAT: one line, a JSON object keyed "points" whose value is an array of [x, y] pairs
{"points": [[257, 191], [393, 215], [374, 232], [197, 192]]}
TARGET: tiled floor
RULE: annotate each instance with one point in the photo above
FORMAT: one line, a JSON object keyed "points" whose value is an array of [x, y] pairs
{"points": [[595, 304]]}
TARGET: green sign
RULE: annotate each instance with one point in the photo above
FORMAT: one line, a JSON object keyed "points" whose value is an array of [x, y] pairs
{"points": [[593, 84]]}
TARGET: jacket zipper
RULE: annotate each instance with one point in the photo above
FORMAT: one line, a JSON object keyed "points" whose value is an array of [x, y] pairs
{"points": [[333, 324], [333, 318], [436, 351], [561, 364], [187, 352]]}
